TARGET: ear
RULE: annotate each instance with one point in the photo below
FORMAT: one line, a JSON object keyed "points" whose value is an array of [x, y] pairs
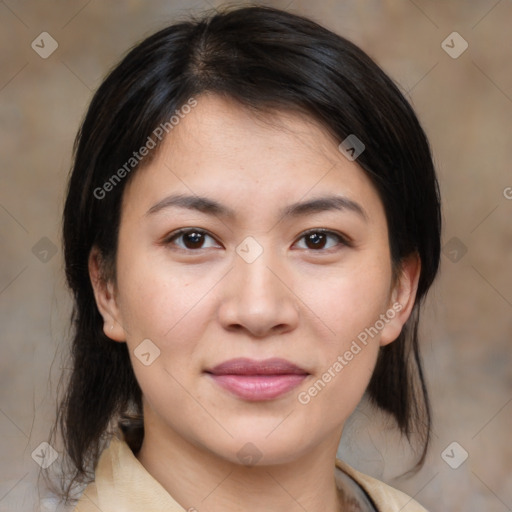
{"points": [[403, 296], [105, 296]]}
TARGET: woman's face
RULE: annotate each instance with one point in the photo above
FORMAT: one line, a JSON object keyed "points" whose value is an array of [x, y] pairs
{"points": [[253, 334]]}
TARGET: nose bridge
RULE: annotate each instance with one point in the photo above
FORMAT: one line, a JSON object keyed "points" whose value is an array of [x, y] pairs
{"points": [[253, 272], [257, 299]]}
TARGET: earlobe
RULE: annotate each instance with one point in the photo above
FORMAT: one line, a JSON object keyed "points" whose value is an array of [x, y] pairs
{"points": [[403, 297], [104, 294]]}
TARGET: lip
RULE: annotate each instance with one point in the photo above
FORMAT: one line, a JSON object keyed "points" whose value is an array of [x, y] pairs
{"points": [[257, 380]]}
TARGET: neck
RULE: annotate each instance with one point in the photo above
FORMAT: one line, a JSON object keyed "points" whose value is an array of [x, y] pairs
{"points": [[202, 481]]}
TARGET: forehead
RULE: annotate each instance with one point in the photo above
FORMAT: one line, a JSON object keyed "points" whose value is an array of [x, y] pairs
{"points": [[219, 124], [221, 149]]}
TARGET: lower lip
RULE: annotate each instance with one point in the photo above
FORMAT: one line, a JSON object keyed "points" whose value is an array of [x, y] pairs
{"points": [[258, 387]]}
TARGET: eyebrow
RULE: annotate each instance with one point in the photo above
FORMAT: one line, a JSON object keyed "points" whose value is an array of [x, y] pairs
{"points": [[212, 207]]}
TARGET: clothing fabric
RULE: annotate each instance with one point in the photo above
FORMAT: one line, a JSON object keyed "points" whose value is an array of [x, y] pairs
{"points": [[122, 484]]}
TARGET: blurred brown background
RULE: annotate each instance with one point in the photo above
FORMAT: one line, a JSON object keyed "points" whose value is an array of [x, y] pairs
{"points": [[464, 100]]}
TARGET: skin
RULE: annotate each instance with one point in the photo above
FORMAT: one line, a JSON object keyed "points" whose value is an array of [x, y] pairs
{"points": [[202, 306]]}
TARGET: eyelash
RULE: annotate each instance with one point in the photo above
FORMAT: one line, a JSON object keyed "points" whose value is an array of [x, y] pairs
{"points": [[342, 240]]}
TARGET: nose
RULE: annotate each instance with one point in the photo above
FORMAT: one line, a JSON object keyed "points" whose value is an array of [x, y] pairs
{"points": [[257, 298]]}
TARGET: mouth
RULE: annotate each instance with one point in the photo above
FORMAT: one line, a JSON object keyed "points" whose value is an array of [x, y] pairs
{"points": [[253, 380]]}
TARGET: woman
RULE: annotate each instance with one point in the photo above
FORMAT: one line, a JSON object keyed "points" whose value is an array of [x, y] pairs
{"points": [[251, 225]]}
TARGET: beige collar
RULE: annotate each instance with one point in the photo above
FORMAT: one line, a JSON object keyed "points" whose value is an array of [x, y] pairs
{"points": [[122, 484]]}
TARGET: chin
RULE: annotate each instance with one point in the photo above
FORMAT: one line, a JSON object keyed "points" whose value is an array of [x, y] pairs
{"points": [[261, 447]]}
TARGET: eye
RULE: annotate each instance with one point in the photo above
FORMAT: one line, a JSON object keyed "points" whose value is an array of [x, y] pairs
{"points": [[192, 238], [317, 239]]}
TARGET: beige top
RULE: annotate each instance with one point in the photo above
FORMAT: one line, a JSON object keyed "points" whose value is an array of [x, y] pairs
{"points": [[122, 484]]}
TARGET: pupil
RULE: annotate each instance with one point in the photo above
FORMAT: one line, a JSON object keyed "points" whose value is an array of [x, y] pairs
{"points": [[194, 238], [317, 239]]}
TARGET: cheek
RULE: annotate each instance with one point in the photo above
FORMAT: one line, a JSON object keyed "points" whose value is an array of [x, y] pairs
{"points": [[169, 306], [335, 391], [348, 300], [159, 299]]}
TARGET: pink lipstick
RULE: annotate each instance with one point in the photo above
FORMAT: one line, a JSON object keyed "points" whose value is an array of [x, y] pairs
{"points": [[257, 380]]}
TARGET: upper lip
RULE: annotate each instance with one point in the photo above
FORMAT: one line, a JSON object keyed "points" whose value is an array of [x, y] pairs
{"points": [[245, 366]]}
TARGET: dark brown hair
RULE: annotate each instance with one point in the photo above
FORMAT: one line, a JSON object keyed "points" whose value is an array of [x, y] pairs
{"points": [[267, 60]]}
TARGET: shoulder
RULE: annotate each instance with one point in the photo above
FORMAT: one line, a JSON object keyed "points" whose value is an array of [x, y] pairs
{"points": [[385, 497], [122, 483], [119, 478]]}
